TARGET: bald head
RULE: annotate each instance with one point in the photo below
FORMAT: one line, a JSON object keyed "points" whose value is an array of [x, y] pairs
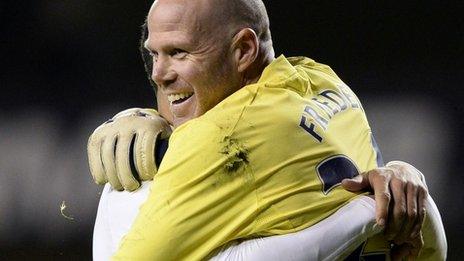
{"points": [[240, 14], [230, 16], [202, 51]]}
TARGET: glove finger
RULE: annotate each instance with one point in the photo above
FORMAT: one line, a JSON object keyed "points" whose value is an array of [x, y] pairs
{"points": [[149, 113], [123, 154], [95, 161], [127, 112], [145, 155], [107, 155]]}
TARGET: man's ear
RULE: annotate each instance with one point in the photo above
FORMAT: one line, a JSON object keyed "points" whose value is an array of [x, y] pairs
{"points": [[246, 48]]}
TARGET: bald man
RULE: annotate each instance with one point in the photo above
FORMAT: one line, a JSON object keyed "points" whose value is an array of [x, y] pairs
{"points": [[222, 179]]}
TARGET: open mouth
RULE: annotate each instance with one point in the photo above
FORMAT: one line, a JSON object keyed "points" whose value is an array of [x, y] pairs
{"points": [[179, 97]]}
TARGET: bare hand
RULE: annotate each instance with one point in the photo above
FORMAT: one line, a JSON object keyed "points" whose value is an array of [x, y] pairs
{"points": [[400, 196], [409, 250]]}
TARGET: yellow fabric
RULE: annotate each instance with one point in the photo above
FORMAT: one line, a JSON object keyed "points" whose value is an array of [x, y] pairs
{"points": [[247, 168]]}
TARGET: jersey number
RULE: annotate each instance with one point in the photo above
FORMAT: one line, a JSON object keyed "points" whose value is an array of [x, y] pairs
{"points": [[333, 170]]}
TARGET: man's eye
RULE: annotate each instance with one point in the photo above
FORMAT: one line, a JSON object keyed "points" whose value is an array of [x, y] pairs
{"points": [[178, 53], [154, 55]]}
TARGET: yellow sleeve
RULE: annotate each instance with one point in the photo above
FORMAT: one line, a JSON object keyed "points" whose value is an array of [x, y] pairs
{"points": [[192, 196]]}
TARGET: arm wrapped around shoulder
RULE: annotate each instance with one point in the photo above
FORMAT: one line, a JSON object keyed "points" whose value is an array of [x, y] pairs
{"points": [[121, 151], [336, 237]]}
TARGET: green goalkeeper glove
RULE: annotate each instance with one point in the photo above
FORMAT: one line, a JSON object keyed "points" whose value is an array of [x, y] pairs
{"points": [[126, 144]]}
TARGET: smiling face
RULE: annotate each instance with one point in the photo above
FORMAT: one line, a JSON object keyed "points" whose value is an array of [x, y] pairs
{"points": [[193, 64]]}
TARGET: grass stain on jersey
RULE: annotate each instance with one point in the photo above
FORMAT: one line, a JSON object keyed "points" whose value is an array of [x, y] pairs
{"points": [[237, 154]]}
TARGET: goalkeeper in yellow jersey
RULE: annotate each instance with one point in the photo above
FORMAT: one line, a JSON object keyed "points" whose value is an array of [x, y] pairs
{"points": [[259, 146], [334, 237]]}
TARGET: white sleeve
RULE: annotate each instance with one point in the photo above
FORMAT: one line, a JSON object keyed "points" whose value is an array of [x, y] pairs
{"points": [[116, 213], [101, 236], [435, 245], [332, 238], [335, 238]]}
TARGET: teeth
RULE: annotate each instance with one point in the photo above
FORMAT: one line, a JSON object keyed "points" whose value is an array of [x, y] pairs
{"points": [[175, 97]]}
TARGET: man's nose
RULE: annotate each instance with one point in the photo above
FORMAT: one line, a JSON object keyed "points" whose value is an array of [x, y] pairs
{"points": [[163, 73]]}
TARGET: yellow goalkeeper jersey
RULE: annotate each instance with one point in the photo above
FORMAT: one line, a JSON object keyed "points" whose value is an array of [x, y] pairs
{"points": [[267, 160]]}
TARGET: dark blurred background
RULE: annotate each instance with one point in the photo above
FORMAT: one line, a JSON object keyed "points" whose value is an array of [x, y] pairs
{"points": [[68, 65]]}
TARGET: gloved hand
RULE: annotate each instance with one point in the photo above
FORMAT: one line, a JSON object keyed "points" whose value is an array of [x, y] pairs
{"points": [[121, 151]]}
